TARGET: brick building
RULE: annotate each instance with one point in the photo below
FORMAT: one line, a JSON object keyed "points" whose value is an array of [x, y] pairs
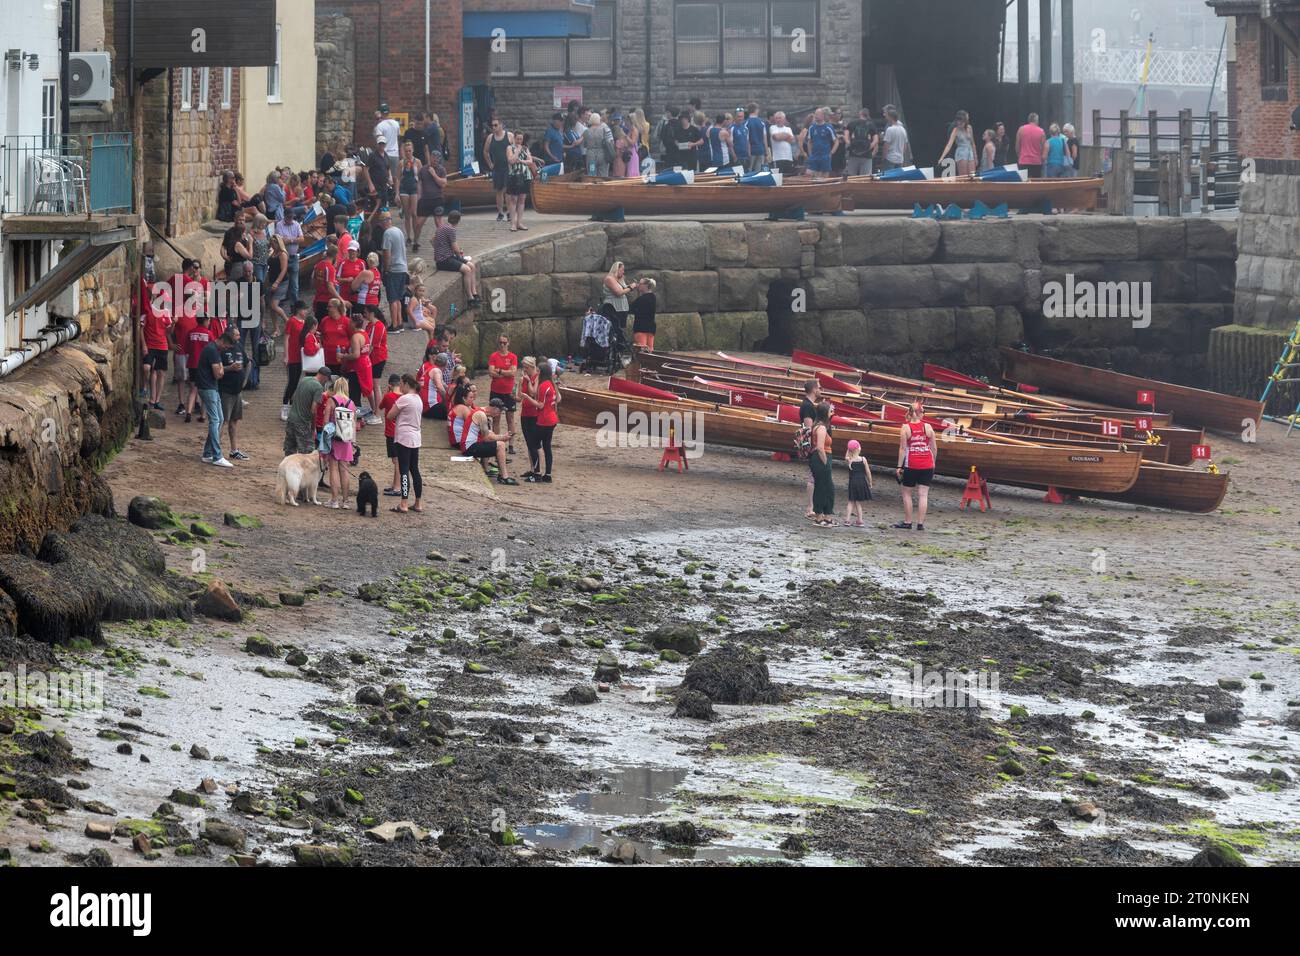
{"points": [[191, 134], [1264, 89], [524, 54]]}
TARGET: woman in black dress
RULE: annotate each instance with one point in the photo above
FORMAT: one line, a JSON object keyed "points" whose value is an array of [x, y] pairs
{"points": [[433, 177], [644, 310], [820, 463]]}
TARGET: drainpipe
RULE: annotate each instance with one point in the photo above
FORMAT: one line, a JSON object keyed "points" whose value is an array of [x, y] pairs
{"points": [[427, 16], [649, 73], [171, 156], [65, 330]]}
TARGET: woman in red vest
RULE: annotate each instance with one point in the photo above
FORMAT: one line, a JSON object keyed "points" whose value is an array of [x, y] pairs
{"points": [[917, 453]]}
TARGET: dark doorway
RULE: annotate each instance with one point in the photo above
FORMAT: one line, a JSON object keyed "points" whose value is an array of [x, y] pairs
{"points": [[780, 318]]}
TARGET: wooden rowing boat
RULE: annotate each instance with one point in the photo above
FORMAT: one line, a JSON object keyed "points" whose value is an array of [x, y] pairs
{"points": [[1170, 486], [1189, 406], [1024, 464], [865, 192], [477, 191], [983, 427], [636, 198]]}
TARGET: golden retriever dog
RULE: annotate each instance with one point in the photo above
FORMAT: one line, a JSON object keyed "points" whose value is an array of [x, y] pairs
{"points": [[298, 477]]}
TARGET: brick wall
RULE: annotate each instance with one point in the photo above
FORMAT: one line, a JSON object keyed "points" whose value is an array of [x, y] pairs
{"points": [[1264, 124], [528, 103], [204, 142], [389, 58]]}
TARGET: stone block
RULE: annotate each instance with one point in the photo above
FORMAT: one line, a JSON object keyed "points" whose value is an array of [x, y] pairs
{"points": [[1162, 238], [887, 331], [976, 328], [571, 292], [931, 330], [847, 332], [773, 245], [1081, 238], [744, 289], [1000, 283], [724, 330], [501, 264], [538, 258], [550, 338], [955, 284], [514, 296], [980, 240], [679, 331], [675, 245], [833, 288], [897, 287], [1011, 326], [888, 241], [728, 244], [584, 252], [1214, 239], [690, 291]]}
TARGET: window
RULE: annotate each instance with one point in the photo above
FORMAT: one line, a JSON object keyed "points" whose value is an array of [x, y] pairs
{"points": [[507, 62], [187, 88], [699, 47], [794, 38], [273, 72], [50, 114], [545, 57], [594, 55], [205, 79], [558, 56], [227, 86], [755, 38], [1272, 61]]}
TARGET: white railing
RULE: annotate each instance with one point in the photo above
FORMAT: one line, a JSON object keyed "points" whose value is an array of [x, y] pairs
{"points": [[1123, 66]]}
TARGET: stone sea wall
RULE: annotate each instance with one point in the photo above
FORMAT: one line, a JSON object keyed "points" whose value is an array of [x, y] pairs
{"points": [[885, 292]]}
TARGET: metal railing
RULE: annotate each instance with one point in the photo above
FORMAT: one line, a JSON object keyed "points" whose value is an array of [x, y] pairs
{"points": [[1123, 66], [66, 175]]}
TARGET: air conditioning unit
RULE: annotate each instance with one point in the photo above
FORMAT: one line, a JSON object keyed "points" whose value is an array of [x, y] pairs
{"points": [[90, 78]]}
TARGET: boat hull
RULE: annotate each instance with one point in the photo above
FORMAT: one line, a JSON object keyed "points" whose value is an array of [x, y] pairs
{"points": [[1189, 406], [1171, 486], [866, 193], [636, 198], [1036, 466]]}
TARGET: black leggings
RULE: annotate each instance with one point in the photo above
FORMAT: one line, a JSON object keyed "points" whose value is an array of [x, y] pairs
{"points": [[529, 426], [544, 433], [295, 373], [408, 463]]}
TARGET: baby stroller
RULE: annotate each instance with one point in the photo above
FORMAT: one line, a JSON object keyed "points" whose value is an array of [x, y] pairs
{"points": [[604, 342]]}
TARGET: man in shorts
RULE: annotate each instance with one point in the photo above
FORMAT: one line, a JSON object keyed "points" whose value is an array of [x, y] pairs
{"points": [[448, 257], [395, 269]]}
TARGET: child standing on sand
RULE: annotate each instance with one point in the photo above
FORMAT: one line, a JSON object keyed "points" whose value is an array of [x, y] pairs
{"points": [[859, 483]]}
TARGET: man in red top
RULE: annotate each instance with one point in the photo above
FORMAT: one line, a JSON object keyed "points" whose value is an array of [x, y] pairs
{"points": [[182, 322], [199, 337], [343, 237], [325, 279], [1029, 147], [293, 355], [503, 368], [155, 320]]}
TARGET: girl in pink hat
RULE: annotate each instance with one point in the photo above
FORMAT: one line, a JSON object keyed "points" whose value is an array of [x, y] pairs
{"points": [[859, 483]]}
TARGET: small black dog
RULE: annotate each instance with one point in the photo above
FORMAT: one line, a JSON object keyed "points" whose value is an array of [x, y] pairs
{"points": [[367, 494]]}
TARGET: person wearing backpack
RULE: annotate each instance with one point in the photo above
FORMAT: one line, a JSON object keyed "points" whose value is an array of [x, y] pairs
{"points": [[812, 396], [341, 412]]}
